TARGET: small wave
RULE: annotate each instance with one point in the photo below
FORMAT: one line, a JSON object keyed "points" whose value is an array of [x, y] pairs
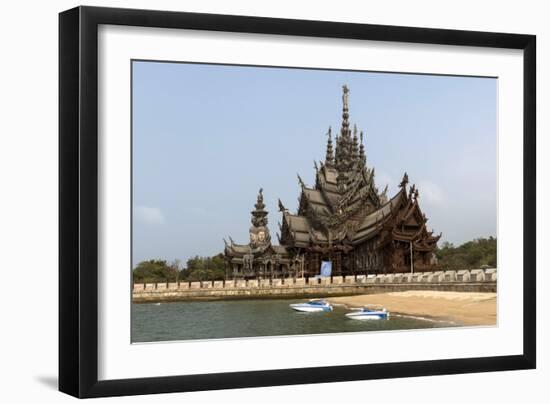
{"points": [[433, 320]]}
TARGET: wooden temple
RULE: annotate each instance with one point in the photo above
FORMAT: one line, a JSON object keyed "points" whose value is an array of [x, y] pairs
{"points": [[342, 219]]}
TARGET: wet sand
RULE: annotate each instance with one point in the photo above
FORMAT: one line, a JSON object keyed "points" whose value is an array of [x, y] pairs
{"points": [[462, 308]]}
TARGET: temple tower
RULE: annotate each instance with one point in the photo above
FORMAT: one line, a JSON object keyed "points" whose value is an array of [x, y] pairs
{"points": [[259, 232]]}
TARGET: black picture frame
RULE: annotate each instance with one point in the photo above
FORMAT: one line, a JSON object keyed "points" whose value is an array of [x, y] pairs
{"points": [[78, 201]]}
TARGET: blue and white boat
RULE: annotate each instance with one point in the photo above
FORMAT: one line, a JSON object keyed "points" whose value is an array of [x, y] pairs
{"points": [[369, 313], [314, 305]]}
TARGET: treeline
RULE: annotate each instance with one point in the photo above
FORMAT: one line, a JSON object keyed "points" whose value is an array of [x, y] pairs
{"points": [[196, 269], [472, 254]]}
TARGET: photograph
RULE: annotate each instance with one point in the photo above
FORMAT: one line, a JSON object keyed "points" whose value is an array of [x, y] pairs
{"points": [[275, 202], [283, 201]]}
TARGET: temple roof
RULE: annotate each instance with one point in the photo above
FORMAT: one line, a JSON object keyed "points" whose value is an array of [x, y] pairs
{"points": [[239, 250], [402, 213], [304, 233], [371, 222], [344, 205]]}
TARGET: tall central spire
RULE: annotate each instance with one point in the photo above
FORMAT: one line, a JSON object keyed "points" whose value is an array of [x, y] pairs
{"points": [[344, 151], [345, 110]]}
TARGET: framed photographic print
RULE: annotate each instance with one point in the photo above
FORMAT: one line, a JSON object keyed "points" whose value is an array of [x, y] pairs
{"points": [[250, 201]]}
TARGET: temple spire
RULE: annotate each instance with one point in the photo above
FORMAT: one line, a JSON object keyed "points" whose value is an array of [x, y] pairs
{"points": [[362, 156], [259, 214], [329, 159], [337, 151], [344, 146], [345, 109], [355, 148]]}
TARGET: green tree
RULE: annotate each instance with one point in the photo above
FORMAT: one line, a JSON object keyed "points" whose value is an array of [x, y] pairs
{"points": [[472, 254], [174, 269], [205, 268], [153, 271]]}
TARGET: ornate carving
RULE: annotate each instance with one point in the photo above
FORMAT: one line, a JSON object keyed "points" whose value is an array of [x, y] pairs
{"points": [[343, 217], [282, 207], [404, 181]]}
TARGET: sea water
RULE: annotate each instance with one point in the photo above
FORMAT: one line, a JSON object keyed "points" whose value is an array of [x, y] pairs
{"points": [[252, 318]]}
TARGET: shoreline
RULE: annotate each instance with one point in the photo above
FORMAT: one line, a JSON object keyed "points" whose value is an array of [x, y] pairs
{"points": [[461, 308], [173, 292]]}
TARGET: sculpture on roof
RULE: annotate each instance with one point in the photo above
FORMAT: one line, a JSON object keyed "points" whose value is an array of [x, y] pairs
{"points": [[345, 96]]}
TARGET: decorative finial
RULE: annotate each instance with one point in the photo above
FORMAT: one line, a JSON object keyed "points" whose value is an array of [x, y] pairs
{"points": [[281, 207], [384, 195], [302, 184], [260, 200], [412, 191], [345, 90], [404, 181]]}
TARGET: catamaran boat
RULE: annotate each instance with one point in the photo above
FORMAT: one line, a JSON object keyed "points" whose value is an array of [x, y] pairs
{"points": [[369, 313], [314, 305]]}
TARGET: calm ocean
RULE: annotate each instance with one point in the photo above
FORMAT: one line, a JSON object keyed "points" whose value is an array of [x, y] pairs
{"points": [[250, 318]]}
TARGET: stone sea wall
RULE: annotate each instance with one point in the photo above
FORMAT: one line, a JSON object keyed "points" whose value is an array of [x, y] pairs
{"points": [[475, 280]]}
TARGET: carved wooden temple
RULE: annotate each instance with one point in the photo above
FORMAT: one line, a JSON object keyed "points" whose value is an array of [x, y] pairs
{"points": [[343, 219], [259, 258]]}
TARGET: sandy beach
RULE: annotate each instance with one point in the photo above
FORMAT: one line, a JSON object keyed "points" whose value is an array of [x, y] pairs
{"points": [[463, 308]]}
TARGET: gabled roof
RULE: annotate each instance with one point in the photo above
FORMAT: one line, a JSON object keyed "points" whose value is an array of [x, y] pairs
{"points": [[369, 225], [401, 209], [239, 250], [303, 234], [314, 196], [297, 223]]}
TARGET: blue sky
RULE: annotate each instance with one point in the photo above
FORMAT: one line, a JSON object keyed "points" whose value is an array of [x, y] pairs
{"points": [[207, 137]]}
